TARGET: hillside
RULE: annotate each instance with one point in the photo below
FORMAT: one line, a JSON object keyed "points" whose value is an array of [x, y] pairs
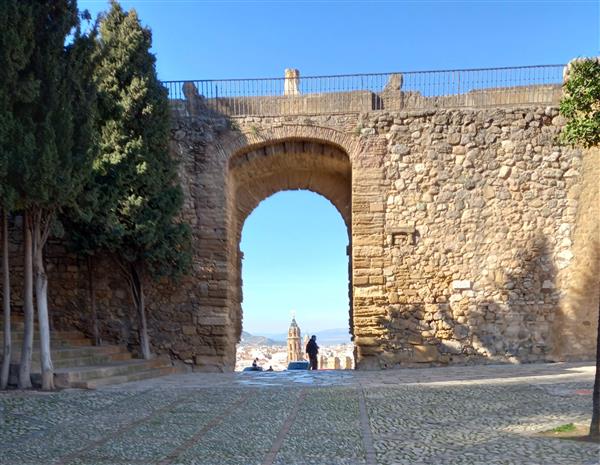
{"points": [[251, 340]]}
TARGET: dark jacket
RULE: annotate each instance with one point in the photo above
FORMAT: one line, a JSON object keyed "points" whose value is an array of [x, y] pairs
{"points": [[312, 348]]}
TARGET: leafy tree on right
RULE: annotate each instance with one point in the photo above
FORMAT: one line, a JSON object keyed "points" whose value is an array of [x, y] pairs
{"points": [[581, 107]]}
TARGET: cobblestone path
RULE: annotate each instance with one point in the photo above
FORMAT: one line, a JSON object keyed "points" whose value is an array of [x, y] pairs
{"points": [[457, 415]]}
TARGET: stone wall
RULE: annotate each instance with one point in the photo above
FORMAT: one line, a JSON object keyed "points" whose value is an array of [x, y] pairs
{"points": [[577, 318], [479, 213], [466, 227]]}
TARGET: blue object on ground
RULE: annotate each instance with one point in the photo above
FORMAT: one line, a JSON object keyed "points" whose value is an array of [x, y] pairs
{"points": [[302, 365]]}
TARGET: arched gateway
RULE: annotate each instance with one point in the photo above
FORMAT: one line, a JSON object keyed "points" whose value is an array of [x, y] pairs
{"points": [[259, 171], [468, 222], [258, 164]]}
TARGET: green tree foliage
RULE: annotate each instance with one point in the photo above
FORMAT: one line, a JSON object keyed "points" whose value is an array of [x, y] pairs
{"points": [[581, 107], [16, 88], [134, 174], [53, 171], [581, 103]]}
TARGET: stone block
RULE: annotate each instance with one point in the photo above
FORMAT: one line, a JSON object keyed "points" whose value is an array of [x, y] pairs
{"points": [[188, 330], [451, 347], [376, 280], [400, 149], [213, 320], [376, 207], [504, 172], [459, 285], [365, 341], [424, 353], [547, 286], [360, 280]]}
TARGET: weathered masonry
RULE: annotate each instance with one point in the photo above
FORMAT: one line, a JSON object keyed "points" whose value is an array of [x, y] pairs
{"points": [[473, 233]]}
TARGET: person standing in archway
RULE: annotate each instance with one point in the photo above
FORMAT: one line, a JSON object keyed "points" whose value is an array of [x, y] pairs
{"points": [[312, 349]]}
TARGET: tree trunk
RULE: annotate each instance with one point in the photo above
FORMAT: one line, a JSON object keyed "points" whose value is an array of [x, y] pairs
{"points": [[137, 282], [26, 350], [41, 298], [92, 292], [595, 425], [4, 374]]}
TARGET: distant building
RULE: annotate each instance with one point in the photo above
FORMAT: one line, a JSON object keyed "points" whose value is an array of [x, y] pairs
{"points": [[349, 363], [294, 342]]}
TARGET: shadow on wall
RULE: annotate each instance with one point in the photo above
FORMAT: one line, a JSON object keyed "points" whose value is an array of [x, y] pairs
{"points": [[506, 317], [576, 325], [517, 325]]}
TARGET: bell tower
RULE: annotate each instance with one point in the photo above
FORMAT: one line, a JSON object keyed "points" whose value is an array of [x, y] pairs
{"points": [[294, 342]]}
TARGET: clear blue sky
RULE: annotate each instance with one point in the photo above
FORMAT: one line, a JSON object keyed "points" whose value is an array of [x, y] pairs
{"points": [[294, 247], [294, 243]]}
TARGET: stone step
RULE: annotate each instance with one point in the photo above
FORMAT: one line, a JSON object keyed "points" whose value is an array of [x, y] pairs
{"points": [[71, 358], [120, 379], [54, 335], [67, 377], [88, 360], [54, 343], [77, 363], [19, 327], [69, 353]]}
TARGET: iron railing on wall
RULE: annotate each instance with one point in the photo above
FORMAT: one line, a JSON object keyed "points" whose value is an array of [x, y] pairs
{"points": [[489, 87]]}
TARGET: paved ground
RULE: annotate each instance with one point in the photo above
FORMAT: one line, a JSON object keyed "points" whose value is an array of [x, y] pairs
{"points": [[458, 415]]}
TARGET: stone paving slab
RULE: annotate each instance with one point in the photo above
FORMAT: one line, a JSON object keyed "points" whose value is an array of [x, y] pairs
{"points": [[457, 415]]}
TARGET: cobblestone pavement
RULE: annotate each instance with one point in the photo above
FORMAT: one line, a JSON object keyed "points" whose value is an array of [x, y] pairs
{"points": [[457, 415]]}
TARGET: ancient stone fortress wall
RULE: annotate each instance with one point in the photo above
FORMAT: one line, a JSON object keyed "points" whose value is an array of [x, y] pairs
{"points": [[469, 234]]}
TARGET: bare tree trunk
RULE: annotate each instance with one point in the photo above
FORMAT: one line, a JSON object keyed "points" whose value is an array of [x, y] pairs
{"points": [[40, 235], [92, 292], [41, 297], [595, 425], [4, 374], [27, 349], [141, 308], [134, 274]]}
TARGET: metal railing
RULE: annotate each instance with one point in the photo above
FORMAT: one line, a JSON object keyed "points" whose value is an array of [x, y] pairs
{"points": [[296, 95]]}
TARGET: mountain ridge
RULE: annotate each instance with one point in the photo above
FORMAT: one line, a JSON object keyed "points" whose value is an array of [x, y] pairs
{"points": [[331, 336]]}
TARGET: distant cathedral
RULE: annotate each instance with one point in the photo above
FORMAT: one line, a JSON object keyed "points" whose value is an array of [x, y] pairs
{"points": [[294, 343]]}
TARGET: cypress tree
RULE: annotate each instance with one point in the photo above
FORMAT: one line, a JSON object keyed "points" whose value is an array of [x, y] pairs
{"points": [[134, 169], [16, 88], [54, 171], [80, 218]]}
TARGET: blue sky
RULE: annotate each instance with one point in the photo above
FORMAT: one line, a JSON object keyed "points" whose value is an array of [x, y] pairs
{"points": [[294, 243], [294, 247]]}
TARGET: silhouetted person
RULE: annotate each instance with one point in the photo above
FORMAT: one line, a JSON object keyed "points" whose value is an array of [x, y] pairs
{"points": [[312, 349], [270, 368], [255, 363]]}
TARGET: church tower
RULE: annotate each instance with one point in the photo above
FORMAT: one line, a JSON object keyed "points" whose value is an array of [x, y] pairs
{"points": [[294, 342]]}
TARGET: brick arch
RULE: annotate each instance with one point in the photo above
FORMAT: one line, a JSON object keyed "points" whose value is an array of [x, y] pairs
{"points": [[263, 168], [290, 164], [235, 143]]}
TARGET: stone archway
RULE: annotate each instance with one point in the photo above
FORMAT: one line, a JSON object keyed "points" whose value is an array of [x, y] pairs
{"points": [[257, 172]]}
